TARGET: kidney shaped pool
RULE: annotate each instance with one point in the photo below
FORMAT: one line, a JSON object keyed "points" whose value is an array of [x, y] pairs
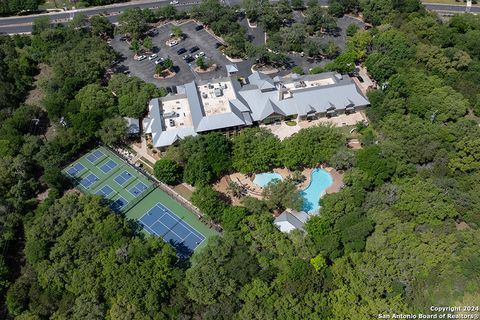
{"points": [[319, 182]]}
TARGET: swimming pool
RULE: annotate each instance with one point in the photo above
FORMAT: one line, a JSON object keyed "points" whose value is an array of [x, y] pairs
{"points": [[319, 182], [262, 179]]}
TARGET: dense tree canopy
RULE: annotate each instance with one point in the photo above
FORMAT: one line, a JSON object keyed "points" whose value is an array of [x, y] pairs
{"points": [[401, 235]]}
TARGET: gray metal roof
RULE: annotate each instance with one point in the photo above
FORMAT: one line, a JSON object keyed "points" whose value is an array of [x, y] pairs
{"points": [[291, 219], [271, 108], [262, 81], [133, 125], [196, 109], [318, 98], [231, 68], [255, 102]]}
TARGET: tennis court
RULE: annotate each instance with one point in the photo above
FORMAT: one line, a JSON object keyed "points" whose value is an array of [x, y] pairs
{"points": [[108, 166], [76, 169], [88, 180], [101, 172], [137, 189], [105, 191], [95, 155], [123, 177], [162, 222]]}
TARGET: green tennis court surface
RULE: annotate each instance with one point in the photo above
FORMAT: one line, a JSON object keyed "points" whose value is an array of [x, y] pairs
{"points": [[126, 190]]}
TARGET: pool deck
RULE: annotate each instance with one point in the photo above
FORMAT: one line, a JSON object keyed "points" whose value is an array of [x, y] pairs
{"points": [[251, 189]]}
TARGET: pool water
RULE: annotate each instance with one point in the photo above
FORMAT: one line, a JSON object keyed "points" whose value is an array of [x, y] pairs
{"points": [[319, 182], [262, 179]]}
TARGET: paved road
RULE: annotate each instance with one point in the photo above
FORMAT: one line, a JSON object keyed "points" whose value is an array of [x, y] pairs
{"points": [[450, 8], [22, 24]]}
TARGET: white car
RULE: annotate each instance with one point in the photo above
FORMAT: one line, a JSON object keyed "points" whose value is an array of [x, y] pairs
{"points": [[200, 54], [142, 57], [172, 43], [174, 2], [153, 56], [159, 61]]}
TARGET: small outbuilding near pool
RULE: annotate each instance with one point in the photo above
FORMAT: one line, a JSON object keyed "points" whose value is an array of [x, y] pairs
{"points": [[290, 220]]}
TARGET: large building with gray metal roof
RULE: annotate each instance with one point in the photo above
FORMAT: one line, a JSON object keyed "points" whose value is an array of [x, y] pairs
{"points": [[225, 104]]}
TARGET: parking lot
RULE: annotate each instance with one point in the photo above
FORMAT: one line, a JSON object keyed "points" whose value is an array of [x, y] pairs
{"points": [[207, 43], [145, 69]]}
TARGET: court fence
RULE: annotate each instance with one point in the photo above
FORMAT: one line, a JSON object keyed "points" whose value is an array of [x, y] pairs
{"points": [[172, 193]]}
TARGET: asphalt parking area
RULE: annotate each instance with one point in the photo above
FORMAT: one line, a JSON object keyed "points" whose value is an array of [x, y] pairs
{"points": [[145, 69]]}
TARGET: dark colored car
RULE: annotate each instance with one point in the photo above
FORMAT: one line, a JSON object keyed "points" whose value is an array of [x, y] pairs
{"points": [[189, 59], [193, 49], [174, 89], [218, 45], [169, 90], [198, 28], [181, 51]]}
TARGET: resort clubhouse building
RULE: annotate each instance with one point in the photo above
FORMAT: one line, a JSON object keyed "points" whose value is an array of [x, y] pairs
{"points": [[223, 104]]}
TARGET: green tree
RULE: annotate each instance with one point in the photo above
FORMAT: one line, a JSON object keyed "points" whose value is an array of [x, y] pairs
{"points": [[200, 62], [168, 64], [467, 156], [282, 194], [298, 70], [372, 161], [133, 23], [113, 131], [219, 271], [343, 159], [148, 43], [177, 31], [133, 94], [101, 26], [318, 263], [255, 150], [352, 29], [232, 217], [312, 146], [167, 171], [209, 202]]}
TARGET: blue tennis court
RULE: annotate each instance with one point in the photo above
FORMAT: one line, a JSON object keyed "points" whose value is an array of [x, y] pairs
{"points": [[123, 177], [105, 191], [137, 189], [94, 156], [160, 221], [88, 180], [118, 204], [108, 166], [73, 171]]}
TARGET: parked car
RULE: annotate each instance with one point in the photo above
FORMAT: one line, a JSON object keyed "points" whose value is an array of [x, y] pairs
{"points": [[172, 43], [194, 49], [152, 57], [174, 2], [169, 90], [142, 57], [200, 54], [174, 89], [159, 61], [198, 28], [218, 45], [181, 51], [189, 59], [152, 32]]}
